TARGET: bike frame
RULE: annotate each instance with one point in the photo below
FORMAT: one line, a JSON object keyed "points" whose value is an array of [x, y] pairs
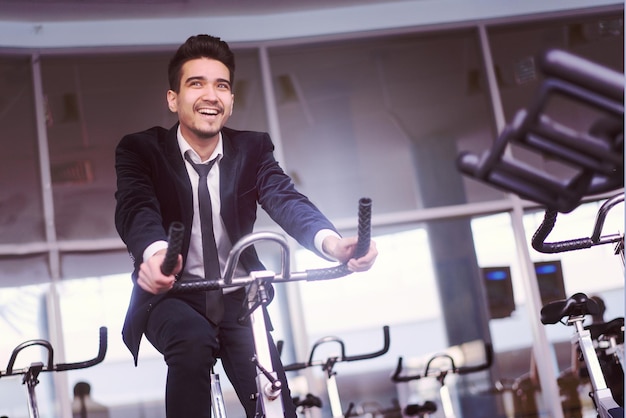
{"points": [[328, 365], [602, 396], [440, 373]]}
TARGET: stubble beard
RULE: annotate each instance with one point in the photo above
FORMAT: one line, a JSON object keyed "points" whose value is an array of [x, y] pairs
{"points": [[205, 134]]}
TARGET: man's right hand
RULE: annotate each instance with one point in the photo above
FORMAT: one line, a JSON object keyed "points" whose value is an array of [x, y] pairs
{"points": [[150, 277]]}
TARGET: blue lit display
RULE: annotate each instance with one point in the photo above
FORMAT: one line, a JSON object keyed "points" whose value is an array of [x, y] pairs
{"points": [[545, 269], [497, 275]]}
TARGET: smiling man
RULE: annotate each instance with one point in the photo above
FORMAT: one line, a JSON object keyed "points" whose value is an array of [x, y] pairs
{"points": [[210, 178]]}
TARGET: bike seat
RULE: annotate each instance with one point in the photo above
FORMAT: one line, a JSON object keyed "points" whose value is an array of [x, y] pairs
{"points": [[310, 401], [614, 327], [576, 305], [427, 407]]}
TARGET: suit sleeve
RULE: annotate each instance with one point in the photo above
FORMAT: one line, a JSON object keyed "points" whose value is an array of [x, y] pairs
{"points": [[137, 215]]}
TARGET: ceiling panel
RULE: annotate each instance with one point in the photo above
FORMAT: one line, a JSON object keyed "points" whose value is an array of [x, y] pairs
{"points": [[62, 10]]}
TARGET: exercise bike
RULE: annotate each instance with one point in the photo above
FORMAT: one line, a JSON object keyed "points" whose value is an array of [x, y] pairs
{"points": [[269, 403], [439, 366], [608, 337], [329, 363], [575, 309], [595, 165], [32, 372]]}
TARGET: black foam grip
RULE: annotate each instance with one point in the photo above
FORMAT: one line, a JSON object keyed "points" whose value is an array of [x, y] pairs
{"points": [[187, 286], [362, 245], [327, 273], [539, 238], [175, 243], [365, 224]]}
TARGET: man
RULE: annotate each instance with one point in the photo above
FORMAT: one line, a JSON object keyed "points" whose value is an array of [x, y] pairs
{"points": [[159, 181]]}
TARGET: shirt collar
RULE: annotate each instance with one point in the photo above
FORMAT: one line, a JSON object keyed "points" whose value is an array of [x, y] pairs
{"points": [[184, 146]]}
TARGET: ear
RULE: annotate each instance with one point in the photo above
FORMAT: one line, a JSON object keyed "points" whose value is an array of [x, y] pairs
{"points": [[171, 101]]}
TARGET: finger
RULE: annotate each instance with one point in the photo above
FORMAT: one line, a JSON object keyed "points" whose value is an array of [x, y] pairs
{"points": [[364, 263], [145, 285], [166, 286], [371, 253]]}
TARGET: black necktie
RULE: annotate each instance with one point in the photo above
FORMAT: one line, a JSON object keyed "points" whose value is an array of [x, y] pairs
{"points": [[214, 300]]}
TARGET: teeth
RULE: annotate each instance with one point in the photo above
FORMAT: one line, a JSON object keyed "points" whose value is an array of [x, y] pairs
{"points": [[208, 112]]}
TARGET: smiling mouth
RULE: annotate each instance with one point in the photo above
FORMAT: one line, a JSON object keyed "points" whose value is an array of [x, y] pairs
{"points": [[209, 112]]}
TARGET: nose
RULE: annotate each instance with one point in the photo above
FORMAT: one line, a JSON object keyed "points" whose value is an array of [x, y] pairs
{"points": [[209, 93]]}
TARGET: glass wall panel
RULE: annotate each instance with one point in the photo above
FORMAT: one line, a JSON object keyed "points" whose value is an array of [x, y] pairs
{"points": [[77, 265], [517, 47], [390, 284], [382, 118], [21, 213], [249, 110], [18, 270], [94, 100]]}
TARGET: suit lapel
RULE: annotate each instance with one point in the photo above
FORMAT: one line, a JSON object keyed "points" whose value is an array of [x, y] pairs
{"points": [[183, 189], [228, 176]]}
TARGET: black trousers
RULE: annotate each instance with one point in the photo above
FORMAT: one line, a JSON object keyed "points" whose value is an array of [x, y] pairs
{"points": [[190, 345]]}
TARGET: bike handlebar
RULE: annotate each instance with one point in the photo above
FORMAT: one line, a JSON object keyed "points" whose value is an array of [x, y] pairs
{"points": [[396, 377], [549, 220], [363, 242], [342, 356], [50, 366]]}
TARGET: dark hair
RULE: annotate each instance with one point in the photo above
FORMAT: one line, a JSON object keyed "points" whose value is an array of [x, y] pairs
{"points": [[200, 46]]}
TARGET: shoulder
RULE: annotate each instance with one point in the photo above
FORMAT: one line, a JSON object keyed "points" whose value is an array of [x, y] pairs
{"points": [[246, 140], [240, 135], [147, 138]]}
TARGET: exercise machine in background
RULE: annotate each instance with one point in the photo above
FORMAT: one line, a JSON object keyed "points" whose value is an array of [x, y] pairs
{"points": [[591, 163]]}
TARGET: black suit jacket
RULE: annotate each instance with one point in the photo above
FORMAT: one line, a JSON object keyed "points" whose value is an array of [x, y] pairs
{"points": [[154, 190]]}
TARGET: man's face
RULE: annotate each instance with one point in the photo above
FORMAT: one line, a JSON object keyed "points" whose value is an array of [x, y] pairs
{"points": [[205, 99]]}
